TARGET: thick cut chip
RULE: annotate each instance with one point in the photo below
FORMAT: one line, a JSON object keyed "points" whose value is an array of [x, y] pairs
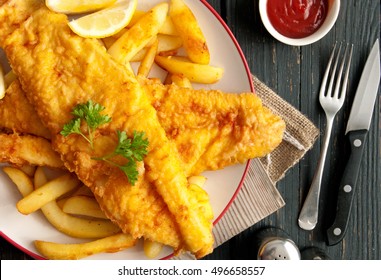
{"points": [[189, 30], [22, 181], [83, 206], [111, 244], [134, 39], [48, 192], [70, 225], [197, 73]]}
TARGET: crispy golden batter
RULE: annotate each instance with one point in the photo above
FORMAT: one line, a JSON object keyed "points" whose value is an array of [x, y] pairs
{"points": [[212, 129], [58, 70], [230, 128], [18, 11], [264, 132], [28, 149], [17, 114]]}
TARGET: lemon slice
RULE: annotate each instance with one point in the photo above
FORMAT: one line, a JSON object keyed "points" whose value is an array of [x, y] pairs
{"points": [[105, 22], [77, 6]]}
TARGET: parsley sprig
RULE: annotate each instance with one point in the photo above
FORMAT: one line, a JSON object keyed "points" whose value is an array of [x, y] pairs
{"points": [[91, 114], [133, 150]]}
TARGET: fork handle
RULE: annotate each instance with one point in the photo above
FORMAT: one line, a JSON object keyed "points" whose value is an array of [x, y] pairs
{"points": [[347, 187], [309, 214]]}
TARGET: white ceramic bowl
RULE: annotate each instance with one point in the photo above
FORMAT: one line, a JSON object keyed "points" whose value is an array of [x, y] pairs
{"points": [[333, 12]]}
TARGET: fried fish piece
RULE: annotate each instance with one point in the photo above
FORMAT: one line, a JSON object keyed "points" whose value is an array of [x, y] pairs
{"points": [[18, 115], [212, 129], [18, 12], [58, 70], [264, 132], [28, 149], [230, 128]]}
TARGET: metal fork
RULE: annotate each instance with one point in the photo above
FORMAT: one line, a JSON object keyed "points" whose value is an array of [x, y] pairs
{"points": [[331, 103]]}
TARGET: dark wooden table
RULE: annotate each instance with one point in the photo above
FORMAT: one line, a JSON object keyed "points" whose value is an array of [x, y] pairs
{"points": [[295, 74]]}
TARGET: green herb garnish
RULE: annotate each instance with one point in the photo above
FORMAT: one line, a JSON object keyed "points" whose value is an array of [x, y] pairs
{"points": [[133, 149], [90, 113]]}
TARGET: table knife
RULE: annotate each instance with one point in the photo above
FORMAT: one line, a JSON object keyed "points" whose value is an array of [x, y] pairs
{"points": [[357, 128]]}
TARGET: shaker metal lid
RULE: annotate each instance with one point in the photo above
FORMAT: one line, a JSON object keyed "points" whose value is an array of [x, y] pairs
{"points": [[278, 248]]}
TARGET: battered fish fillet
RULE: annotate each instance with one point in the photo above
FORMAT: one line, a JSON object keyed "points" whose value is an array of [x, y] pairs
{"points": [[18, 115], [230, 128], [59, 70], [212, 129], [27, 149]]}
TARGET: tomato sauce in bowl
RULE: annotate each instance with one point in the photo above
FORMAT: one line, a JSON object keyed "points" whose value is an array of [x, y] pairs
{"points": [[298, 22], [297, 18]]}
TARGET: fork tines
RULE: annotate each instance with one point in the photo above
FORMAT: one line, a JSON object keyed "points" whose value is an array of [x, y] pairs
{"points": [[346, 60]]}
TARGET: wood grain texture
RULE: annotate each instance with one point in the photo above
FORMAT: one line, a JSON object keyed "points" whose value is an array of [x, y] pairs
{"points": [[295, 74]]}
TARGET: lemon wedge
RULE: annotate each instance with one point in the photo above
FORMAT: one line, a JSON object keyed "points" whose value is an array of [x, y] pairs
{"points": [[77, 6], [105, 22]]}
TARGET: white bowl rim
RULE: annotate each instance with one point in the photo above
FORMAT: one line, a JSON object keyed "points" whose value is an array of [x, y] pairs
{"points": [[333, 12]]}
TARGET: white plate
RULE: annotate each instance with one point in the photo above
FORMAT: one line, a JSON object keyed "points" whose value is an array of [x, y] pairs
{"points": [[221, 185]]}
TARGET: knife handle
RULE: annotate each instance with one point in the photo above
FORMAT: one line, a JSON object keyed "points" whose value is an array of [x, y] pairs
{"points": [[347, 187]]}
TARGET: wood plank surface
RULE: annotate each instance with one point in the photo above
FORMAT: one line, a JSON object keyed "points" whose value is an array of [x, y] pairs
{"points": [[295, 74]]}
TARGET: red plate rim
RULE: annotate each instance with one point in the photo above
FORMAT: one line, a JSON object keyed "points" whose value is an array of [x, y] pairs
{"points": [[248, 72]]}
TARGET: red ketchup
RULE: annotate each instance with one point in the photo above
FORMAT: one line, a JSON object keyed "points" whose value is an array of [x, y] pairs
{"points": [[297, 18]]}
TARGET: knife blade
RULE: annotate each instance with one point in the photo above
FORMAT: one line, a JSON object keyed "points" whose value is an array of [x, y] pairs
{"points": [[357, 128]]}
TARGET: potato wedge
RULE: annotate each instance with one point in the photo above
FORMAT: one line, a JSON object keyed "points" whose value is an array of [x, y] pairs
{"points": [[48, 192], [135, 18], [128, 66], [111, 244], [196, 73], [138, 57], [83, 206], [108, 41], [22, 181], [167, 44], [189, 30], [39, 178], [168, 28], [197, 180], [28, 169], [70, 225], [148, 60], [181, 81], [135, 38], [75, 226], [151, 248]]}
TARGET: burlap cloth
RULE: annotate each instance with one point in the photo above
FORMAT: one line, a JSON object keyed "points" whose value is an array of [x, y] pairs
{"points": [[258, 196]]}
